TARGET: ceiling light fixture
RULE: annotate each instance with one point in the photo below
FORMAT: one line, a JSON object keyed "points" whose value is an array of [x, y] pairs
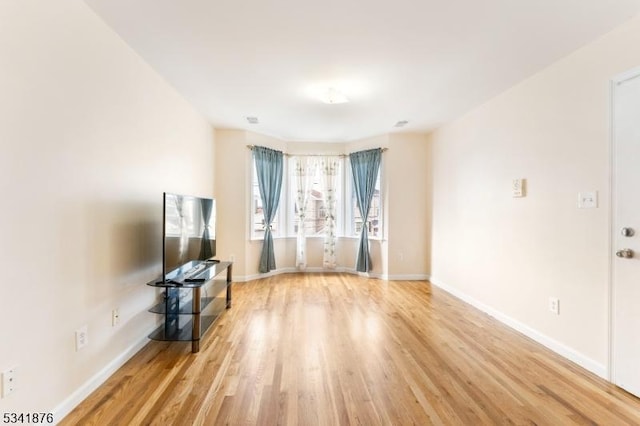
{"points": [[332, 96], [401, 123], [252, 120]]}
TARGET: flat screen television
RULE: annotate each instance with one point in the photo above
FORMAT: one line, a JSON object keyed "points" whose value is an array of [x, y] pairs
{"points": [[189, 233]]}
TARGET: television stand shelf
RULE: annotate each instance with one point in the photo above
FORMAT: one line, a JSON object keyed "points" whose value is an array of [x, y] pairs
{"points": [[188, 314]]}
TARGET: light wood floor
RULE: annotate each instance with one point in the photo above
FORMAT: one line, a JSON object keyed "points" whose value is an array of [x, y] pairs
{"points": [[339, 349]]}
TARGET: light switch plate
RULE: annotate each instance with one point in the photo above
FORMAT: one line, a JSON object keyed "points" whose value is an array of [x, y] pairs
{"points": [[517, 188], [588, 200]]}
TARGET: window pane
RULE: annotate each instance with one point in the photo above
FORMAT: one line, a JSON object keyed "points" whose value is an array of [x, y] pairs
{"points": [[257, 213], [374, 220], [315, 216], [286, 221]]}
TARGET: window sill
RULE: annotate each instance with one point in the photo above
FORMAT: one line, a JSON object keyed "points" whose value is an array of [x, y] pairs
{"points": [[275, 238], [340, 237], [351, 237]]}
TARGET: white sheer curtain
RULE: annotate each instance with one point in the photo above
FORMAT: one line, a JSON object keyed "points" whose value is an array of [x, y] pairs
{"points": [[303, 173], [330, 171]]}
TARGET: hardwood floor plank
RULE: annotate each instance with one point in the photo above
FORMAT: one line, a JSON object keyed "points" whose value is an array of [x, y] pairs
{"points": [[337, 349]]}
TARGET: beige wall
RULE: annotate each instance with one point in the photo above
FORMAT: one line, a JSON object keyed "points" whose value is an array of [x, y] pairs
{"points": [[408, 167], [511, 254], [91, 137], [232, 198], [406, 228]]}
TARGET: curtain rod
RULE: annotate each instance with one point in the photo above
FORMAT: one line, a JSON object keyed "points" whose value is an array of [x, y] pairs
{"points": [[313, 155]]}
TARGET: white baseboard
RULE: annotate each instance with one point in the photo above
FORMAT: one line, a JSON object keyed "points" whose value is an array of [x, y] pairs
{"points": [[408, 277], [320, 270], [558, 347], [98, 379], [290, 270]]}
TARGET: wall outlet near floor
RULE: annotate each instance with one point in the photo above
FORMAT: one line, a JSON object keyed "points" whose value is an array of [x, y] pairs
{"points": [[232, 258], [8, 382], [82, 337], [115, 317], [554, 305]]}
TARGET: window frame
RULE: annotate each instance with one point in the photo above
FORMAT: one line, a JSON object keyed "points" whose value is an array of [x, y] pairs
{"points": [[345, 217], [291, 225], [350, 206], [281, 219]]}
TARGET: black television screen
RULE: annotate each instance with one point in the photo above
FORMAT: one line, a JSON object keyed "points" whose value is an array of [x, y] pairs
{"points": [[189, 235]]}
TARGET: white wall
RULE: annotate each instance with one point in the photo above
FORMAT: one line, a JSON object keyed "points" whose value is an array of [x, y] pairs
{"points": [[90, 138], [511, 254]]}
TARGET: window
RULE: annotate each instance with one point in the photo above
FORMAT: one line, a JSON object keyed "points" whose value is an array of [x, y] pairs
{"points": [[349, 221], [314, 221], [257, 216], [374, 220]]}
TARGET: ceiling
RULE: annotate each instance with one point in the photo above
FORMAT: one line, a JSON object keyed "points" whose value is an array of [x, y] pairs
{"points": [[423, 61]]}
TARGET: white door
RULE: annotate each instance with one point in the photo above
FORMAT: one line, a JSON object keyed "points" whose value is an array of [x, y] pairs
{"points": [[626, 233]]}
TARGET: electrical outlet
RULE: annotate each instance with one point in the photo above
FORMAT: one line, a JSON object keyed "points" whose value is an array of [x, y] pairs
{"points": [[82, 337], [554, 305], [8, 382], [232, 258], [115, 317], [588, 200]]}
